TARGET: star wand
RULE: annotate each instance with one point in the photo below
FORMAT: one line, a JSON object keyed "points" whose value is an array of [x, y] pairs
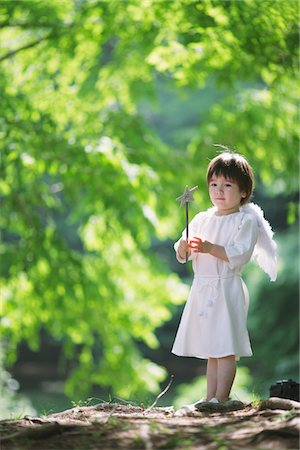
{"points": [[185, 198]]}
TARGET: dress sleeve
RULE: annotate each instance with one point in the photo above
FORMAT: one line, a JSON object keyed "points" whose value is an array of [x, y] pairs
{"points": [[192, 232], [240, 249]]}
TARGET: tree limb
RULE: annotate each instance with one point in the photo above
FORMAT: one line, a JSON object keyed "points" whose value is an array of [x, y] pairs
{"points": [[28, 25], [279, 403], [25, 47]]}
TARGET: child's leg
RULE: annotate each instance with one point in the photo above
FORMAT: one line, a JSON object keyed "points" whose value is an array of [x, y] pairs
{"points": [[226, 369], [211, 377]]}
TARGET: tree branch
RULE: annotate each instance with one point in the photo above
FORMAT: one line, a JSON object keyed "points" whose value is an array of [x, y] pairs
{"points": [[25, 47], [26, 25], [161, 394], [34, 25]]}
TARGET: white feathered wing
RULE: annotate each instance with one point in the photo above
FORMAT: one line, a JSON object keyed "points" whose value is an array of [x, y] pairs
{"points": [[265, 250]]}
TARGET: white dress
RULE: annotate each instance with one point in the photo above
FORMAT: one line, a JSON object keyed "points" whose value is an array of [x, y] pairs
{"points": [[214, 320]]}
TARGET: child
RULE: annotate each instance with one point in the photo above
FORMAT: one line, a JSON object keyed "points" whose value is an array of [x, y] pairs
{"points": [[224, 239]]}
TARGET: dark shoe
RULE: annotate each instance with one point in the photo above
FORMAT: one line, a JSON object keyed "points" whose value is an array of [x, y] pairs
{"points": [[215, 406]]}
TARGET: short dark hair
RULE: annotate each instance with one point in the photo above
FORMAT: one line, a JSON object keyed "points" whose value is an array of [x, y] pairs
{"points": [[235, 167]]}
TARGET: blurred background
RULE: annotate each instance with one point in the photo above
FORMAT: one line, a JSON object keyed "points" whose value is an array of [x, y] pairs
{"points": [[108, 109]]}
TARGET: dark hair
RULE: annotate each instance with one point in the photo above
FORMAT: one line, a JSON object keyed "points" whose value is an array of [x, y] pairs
{"points": [[235, 167]]}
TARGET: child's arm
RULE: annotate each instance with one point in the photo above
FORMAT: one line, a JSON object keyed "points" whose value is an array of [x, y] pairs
{"points": [[215, 250], [199, 246]]}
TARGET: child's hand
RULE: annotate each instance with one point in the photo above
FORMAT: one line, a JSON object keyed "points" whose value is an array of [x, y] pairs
{"points": [[195, 243], [199, 246], [183, 248]]}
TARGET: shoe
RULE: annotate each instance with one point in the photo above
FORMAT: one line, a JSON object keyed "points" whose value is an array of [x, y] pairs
{"points": [[199, 402], [214, 400], [214, 405], [234, 404], [190, 408]]}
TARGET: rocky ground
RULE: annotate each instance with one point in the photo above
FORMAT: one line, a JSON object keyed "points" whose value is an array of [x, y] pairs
{"points": [[271, 424]]}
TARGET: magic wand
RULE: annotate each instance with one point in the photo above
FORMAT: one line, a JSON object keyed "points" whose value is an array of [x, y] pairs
{"points": [[185, 198]]}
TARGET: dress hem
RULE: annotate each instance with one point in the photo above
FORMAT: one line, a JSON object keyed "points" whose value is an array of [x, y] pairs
{"points": [[212, 356]]}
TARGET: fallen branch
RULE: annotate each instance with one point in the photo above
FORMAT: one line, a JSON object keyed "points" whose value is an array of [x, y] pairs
{"points": [[279, 403], [161, 394]]}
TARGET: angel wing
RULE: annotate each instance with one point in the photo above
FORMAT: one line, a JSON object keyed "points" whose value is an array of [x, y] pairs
{"points": [[265, 250]]}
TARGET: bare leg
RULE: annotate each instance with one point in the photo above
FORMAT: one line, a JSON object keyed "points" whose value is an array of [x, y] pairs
{"points": [[225, 377], [211, 374]]}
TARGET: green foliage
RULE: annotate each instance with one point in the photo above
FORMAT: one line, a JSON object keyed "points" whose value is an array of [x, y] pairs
{"points": [[272, 115], [87, 182], [274, 318]]}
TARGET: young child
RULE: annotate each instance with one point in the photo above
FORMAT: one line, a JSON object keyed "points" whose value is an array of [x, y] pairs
{"points": [[213, 325]]}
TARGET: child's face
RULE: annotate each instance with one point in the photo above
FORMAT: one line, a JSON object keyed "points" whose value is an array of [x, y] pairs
{"points": [[225, 194]]}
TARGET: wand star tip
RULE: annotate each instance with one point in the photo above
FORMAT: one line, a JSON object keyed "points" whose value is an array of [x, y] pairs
{"points": [[187, 195]]}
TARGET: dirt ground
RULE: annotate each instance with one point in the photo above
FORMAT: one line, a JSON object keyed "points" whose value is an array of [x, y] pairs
{"points": [[271, 424]]}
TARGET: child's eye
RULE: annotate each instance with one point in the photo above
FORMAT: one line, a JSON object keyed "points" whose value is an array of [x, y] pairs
{"points": [[228, 184]]}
